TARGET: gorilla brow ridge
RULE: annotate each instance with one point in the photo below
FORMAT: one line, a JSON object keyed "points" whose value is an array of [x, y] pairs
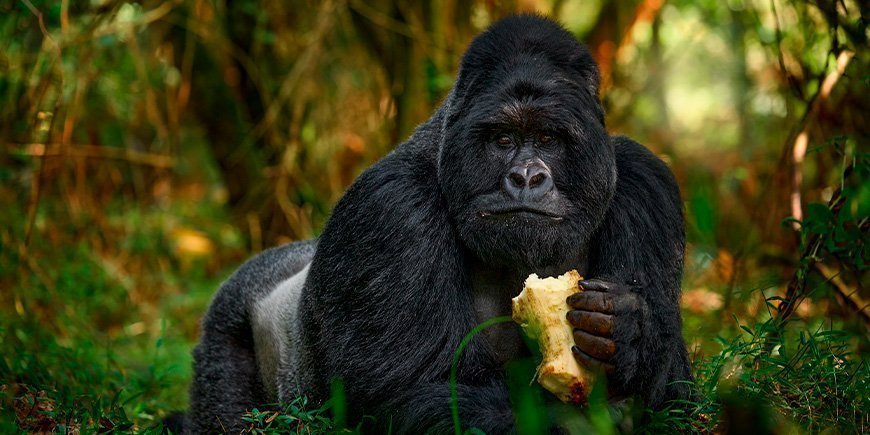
{"points": [[531, 116]]}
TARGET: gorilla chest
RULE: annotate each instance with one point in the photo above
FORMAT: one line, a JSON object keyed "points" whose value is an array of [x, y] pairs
{"points": [[492, 291], [493, 300]]}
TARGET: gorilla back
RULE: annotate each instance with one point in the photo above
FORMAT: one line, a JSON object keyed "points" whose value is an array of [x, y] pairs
{"points": [[514, 174]]}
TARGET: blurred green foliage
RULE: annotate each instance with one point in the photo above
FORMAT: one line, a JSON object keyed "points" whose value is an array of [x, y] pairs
{"points": [[148, 147]]}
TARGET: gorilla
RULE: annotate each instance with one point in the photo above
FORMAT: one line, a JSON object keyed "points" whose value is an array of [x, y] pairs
{"points": [[515, 173]]}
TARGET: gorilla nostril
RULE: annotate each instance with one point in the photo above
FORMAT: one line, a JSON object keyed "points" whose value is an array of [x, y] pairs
{"points": [[517, 179], [537, 179]]}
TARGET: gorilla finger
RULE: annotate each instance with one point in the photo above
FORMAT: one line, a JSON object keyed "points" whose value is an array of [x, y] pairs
{"points": [[598, 347], [595, 323], [595, 285], [592, 301], [591, 363]]}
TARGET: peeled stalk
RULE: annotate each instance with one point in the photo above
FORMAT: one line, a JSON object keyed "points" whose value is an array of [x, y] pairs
{"points": [[541, 310]]}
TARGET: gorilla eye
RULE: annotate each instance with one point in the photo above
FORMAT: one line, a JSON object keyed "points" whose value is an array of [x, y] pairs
{"points": [[545, 138], [503, 140]]}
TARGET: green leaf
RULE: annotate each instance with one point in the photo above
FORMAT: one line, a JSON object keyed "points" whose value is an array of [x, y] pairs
{"points": [[818, 212]]}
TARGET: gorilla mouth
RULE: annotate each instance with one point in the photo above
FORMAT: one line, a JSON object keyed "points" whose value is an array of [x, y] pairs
{"points": [[519, 211]]}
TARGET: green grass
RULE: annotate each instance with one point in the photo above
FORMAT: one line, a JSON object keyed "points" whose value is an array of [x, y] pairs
{"points": [[296, 417], [97, 340], [804, 382]]}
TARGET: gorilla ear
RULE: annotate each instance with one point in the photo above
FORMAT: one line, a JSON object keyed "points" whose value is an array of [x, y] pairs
{"points": [[582, 62], [593, 82], [585, 64]]}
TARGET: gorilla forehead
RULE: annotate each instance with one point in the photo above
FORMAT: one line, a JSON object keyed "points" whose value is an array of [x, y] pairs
{"points": [[524, 78], [526, 45], [526, 97], [514, 38], [527, 105]]}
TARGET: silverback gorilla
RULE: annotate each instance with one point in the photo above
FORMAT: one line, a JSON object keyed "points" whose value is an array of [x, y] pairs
{"points": [[514, 174]]}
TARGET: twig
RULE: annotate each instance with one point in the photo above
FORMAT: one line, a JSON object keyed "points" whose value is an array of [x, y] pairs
{"points": [[152, 111], [607, 55], [36, 186], [91, 151], [795, 288], [64, 17], [387, 22], [789, 78], [145, 19], [646, 12], [799, 147], [41, 20], [256, 232], [207, 34], [844, 294], [304, 61]]}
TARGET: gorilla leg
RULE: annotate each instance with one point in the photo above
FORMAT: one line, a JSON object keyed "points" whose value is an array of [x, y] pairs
{"points": [[227, 381]]}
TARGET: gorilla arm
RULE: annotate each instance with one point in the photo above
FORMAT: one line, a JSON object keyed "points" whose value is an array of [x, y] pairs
{"points": [[627, 321], [387, 303]]}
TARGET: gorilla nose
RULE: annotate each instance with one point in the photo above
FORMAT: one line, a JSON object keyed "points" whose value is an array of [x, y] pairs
{"points": [[528, 182]]}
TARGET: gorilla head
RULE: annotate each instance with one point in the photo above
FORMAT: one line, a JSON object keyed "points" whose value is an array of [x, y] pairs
{"points": [[525, 164]]}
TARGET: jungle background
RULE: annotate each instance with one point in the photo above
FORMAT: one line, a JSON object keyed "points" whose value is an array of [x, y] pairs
{"points": [[148, 148]]}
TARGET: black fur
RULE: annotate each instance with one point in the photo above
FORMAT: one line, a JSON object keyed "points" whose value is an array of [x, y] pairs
{"points": [[414, 257], [225, 381]]}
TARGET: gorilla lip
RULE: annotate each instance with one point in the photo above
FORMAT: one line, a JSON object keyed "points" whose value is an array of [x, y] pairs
{"points": [[519, 211]]}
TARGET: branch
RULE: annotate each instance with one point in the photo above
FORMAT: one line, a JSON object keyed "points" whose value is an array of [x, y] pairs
{"points": [[143, 20], [789, 78], [646, 12], [36, 186], [387, 22], [799, 147], [795, 290], [606, 54], [847, 297], [40, 18], [91, 152], [303, 63]]}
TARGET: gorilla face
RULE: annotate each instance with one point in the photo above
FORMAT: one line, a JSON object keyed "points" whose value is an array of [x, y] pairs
{"points": [[526, 166]]}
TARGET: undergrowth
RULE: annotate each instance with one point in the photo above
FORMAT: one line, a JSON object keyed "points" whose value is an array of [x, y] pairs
{"points": [[80, 353]]}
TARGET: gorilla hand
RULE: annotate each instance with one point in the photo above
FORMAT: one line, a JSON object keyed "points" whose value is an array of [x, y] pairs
{"points": [[607, 318]]}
